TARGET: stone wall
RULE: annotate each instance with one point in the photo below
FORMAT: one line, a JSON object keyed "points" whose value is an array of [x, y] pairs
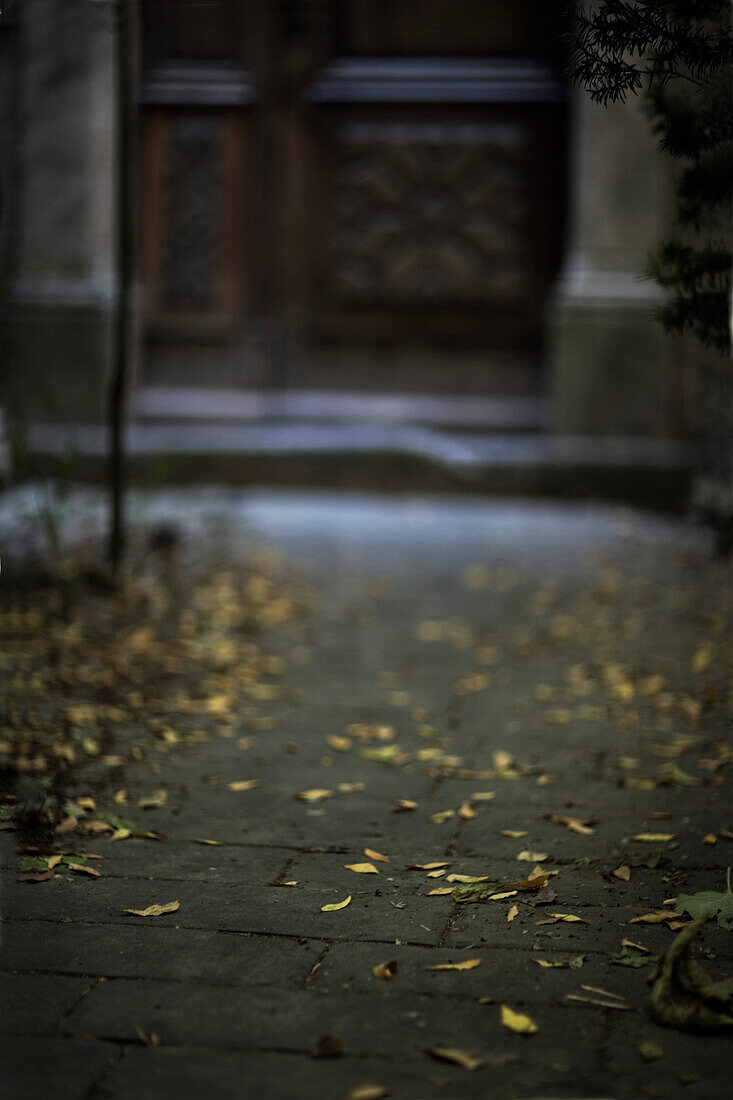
{"points": [[59, 276]]}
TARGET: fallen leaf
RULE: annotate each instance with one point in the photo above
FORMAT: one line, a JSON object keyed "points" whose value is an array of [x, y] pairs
{"points": [[623, 872], [427, 866], [467, 878], [650, 1050], [502, 759], [561, 964], [514, 833], [243, 784], [683, 995], [440, 890], [402, 805], [513, 912], [37, 876], [328, 1046], [633, 955], [315, 794], [467, 964], [653, 838], [568, 918], [466, 811], [155, 910], [573, 823], [385, 971], [292, 882], [153, 801], [659, 917], [596, 1003], [340, 744], [528, 856], [362, 868], [437, 874], [376, 855], [482, 796], [710, 838], [201, 840], [53, 861], [441, 816], [333, 906], [516, 1021], [67, 825], [86, 803], [350, 788], [367, 1092], [458, 1057], [709, 903], [81, 867]]}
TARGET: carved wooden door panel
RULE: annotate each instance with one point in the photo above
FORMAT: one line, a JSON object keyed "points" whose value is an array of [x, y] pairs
{"points": [[339, 196]]}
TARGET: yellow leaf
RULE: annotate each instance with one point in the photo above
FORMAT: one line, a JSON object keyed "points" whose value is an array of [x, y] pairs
{"points": [[385, 971], [502, 895], [155, 910], [502, 760], [384, 753], [436, 874], [568, 918], [86, 803], [466, 811], [362, 868], [376, 855], [483, 796], [467, 878], [340, 744], [367, 1092], [443, 815], [293, 882], [53, 861], [529, 856], [120, 797], [623, 872], [333, 906], [515, 833], [315, 794], [513, 912], [653, 838], [467, 964], [439, 890], [121, 834], [459, 1057], [84, 869], [515, 1021], [199, 840], [403, 804], [572, 823], [702, 658], [654, 918], [154, 800], [710, 838], [427, 866], [243, 784]]}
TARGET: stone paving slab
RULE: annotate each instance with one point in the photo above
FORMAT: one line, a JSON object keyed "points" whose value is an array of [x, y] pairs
{"points": [[239, 985], [139, 951]]}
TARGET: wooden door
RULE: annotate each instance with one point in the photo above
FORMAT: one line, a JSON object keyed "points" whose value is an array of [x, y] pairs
{"points": [[354, 195]]}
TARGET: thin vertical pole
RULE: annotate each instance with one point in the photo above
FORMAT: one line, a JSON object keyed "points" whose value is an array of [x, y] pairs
{"points": [[124, 261]]}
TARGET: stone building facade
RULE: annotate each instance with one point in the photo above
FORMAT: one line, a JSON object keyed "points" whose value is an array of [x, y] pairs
{"points": [[372, 217]]}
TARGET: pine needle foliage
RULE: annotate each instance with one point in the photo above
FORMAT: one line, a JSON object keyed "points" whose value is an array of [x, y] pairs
{"points": [[678, 54]]}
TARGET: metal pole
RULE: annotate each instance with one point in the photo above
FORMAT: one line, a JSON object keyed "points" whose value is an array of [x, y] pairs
{"points": [[124, 263]]}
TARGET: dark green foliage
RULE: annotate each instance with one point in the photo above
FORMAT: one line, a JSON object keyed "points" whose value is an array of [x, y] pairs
{"points": [[679, 55]]}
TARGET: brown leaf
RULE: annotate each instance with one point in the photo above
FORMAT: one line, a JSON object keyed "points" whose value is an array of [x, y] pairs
{"points": [[371, 854], [385, 971], [83, 869], [573, 823], [155, 910], [459, 1057], [329, 1046], [37, 876], [623, 872], [467, 964], [659, 917], [513, 912], [67, 825]]}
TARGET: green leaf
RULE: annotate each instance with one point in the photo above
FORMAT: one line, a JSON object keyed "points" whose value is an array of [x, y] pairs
{"points": [[630, 956], [708, 903]]}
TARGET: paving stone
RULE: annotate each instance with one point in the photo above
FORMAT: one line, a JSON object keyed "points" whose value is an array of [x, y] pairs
{"points": [[34, 1004], [175, 954], [62, 1068]]}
